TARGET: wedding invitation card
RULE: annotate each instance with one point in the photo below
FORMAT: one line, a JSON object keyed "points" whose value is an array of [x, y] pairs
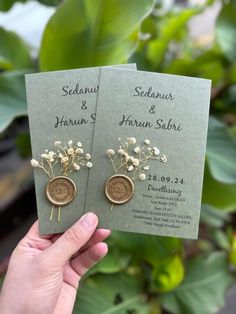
{"points": [[148, 152], [128, 145], [62, 114]]}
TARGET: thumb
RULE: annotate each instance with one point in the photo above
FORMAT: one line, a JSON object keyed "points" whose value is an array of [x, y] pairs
{"points": [[71, 241]]}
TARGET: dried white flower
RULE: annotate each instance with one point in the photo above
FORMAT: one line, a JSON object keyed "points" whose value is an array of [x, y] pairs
{"points": [[110, 152], [34, 163], [131, 140], [156, 151], [60, 155], [130, 168], [137, 149], [121, 151], [136, 162], [89, 164], [70, 142], [127, 157], [163, 158], [45, 156], [76, 167], [131, 158], [46, 150], [79, 144], [70, 151], [142, 176], [79, 151], [146, 167], [149, 149], [51, 153], [64, 160], [147, 142], [50, 156], [57, 143], [88, 156]]}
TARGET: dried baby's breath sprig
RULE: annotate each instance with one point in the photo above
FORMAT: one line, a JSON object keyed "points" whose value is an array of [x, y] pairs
{"points": [[68, 158], [34, 163], [131, 158]]}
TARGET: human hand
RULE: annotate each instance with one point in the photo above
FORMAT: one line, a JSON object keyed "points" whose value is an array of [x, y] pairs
{"points": [[44, 271]]}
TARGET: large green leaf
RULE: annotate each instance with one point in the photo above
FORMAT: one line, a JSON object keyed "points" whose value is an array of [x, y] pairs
{"points": [[12, 98], [86, 33], [111, 294], [50, 2], [221, 153], [218, 194], [168, 274], [14, 53], [209, 64], [203, 288], [214, 217], [152, 249], [23, 145], [113, 262], [7, 4], [170, 28], [226, 30]]}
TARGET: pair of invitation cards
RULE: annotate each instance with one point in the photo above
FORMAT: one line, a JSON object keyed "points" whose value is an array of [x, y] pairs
{"points": [[127, 145]]}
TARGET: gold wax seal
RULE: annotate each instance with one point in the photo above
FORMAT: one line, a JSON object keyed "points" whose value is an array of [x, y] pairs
{"points": [[119, 189], [61, 190]]}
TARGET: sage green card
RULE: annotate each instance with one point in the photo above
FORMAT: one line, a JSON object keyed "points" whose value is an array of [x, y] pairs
{"points": [[161, 123], [62, 108]]}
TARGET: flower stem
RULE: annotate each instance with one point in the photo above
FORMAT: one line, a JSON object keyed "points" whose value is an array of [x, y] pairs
{"points": [[42, 167], [52, 210], [113, 165], [59, 214]]}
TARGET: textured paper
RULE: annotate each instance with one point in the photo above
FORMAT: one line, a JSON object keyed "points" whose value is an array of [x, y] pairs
{"points": [[157, 207], [58, 110]]}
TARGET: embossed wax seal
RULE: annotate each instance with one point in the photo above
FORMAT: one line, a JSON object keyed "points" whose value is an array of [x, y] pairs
{"points": [[61, 190], [119, 189]]}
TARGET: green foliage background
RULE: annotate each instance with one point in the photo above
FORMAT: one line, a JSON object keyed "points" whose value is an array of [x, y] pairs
{"points": [[146, 274]]}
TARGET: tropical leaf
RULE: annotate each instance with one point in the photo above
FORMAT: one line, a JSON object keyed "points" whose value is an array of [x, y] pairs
{"points": [[113, 262], [203, 288], [221, 153], [23, 145], [218, 194], [12, 98], [111, 294], [153, 248], [5, 5], [214, 217], [86, 33], [226, 30], [50, 2], [170, 28], [14, 52], [168, 274]]}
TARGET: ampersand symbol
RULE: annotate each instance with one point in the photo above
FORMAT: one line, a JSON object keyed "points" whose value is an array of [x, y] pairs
{"points": [[151, 110], [84, 107]]}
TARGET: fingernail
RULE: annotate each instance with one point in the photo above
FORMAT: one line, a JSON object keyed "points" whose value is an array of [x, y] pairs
{"points": [[88, 220]]}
